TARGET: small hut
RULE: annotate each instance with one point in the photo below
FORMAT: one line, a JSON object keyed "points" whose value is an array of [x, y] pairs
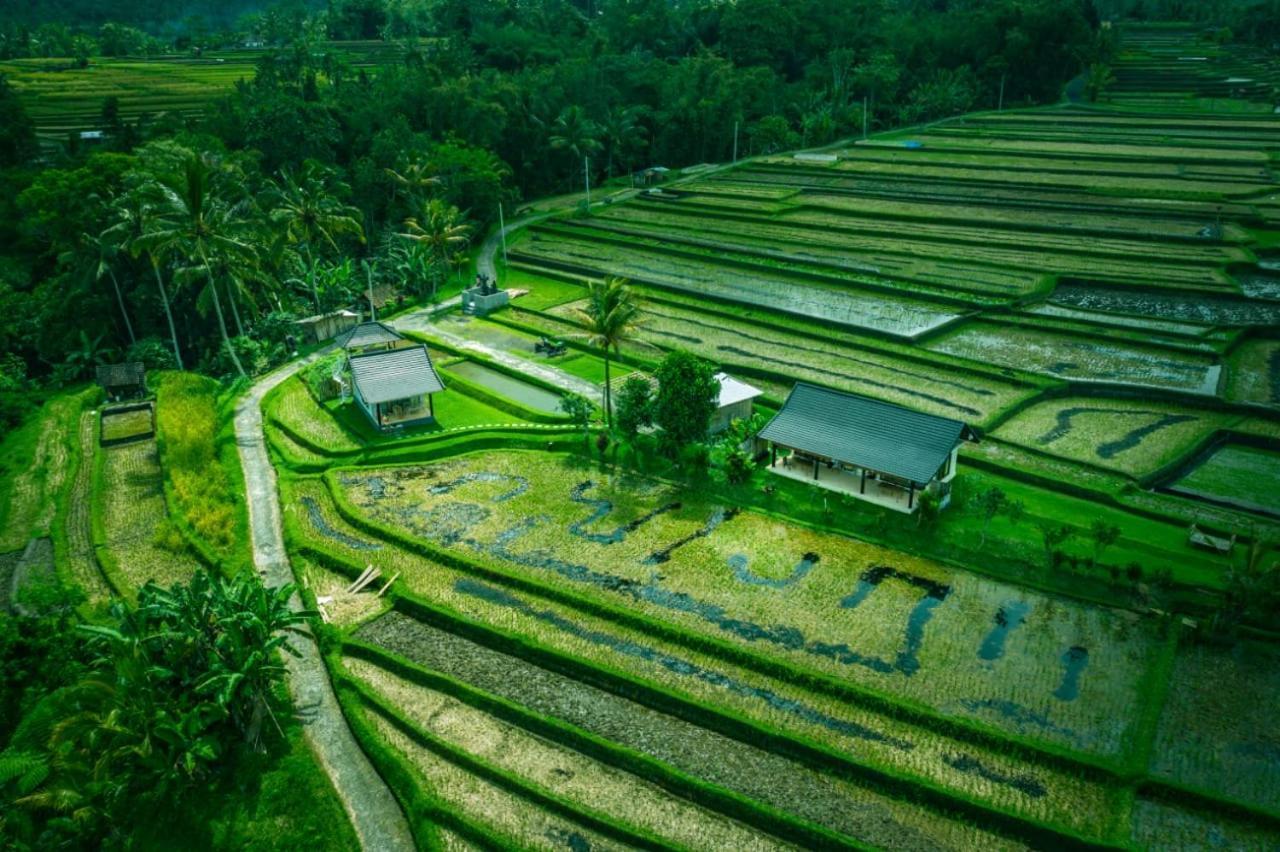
{"points": [[393, 387], [736, 402], [322, 327], [123, 381], [369, 335]]}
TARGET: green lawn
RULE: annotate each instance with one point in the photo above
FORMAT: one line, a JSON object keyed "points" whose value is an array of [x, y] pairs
{"points": [[1237, 474], [544, 292]]}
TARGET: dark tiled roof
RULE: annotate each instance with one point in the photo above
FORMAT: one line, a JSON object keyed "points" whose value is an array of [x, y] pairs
{"points": [[368, 334], [117, 375], [865, 432], [390, 374]]}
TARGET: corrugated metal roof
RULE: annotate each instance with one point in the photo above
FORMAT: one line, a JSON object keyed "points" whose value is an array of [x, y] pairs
{"points": [[116, 375], [368, 334], [394, 374], [865, 432], [734, 391]]}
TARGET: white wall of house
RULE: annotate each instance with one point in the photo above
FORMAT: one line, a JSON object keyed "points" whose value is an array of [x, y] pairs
{"points": [[724, 416]]}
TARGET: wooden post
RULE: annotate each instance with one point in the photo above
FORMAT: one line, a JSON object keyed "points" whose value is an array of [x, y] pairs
{"points": [[911, 494], [815, 468], [431, 407], [773, 455], [862, 487]]}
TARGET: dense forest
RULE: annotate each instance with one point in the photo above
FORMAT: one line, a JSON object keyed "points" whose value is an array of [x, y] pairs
{"points": [[193, 241]]}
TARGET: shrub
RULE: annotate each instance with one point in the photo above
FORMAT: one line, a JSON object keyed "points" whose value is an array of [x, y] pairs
{"points": [[155, 353]]}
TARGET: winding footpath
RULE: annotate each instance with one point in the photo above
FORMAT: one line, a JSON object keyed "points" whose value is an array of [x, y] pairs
{"points": [[374, 812]]}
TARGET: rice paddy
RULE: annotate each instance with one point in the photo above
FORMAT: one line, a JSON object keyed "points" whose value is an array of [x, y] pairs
{"points": [[1082, 283]]}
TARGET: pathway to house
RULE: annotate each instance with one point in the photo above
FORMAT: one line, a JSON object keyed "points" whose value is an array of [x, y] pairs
{"points": [[374, 812]]}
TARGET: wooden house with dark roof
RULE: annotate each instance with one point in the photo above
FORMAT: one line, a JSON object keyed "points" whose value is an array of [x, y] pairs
{"points": [[123, 381], [393, 387], [865, 447], [367, 335]]}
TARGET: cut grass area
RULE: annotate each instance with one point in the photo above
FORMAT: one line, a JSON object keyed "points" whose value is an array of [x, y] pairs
{"points": [[453, 410], [1136, 437], [1237, 474], [294, 409], [136, 541], [544, 292]]}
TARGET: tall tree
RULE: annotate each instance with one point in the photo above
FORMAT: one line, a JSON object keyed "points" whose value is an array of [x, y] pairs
{"points": [[610, 317], [197, 224], [576, 134], [438, 229], [312, 214], [134, 216]]}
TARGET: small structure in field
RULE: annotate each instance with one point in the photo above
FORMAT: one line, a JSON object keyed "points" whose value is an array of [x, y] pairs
{"points": [[869, 449], [123, 381], [650, 176], [484, 298], [379, 299], [393, 387], [322, 327], [369, 335], [737, 400]]}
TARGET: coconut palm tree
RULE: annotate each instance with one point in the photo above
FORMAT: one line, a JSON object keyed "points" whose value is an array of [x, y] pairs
{"points": [[575, 133], [609, 318], [197, 225], [133, 219], [100, 256], [415, 179], [310, 212], [438, 229], [621, 130]]}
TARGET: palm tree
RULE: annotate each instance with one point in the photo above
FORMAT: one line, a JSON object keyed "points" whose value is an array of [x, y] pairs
{"points": [[196, 224], [310, 212], [575, 133], [101, 255], [437, 229], [622, 129], [415, 179], [133, 219], [609, 318]]}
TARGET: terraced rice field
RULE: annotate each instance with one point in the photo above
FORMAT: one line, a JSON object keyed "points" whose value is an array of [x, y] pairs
{"points": [[137, 542], [572, 553], [574, 655], [1135, 436], [1236, 475], [62, 99]]}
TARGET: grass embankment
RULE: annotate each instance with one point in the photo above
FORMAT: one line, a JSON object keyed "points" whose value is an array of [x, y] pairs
{"points": [[37, 461], [203, 481]]}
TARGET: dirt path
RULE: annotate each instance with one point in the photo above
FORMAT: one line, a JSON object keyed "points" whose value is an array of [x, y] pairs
{"points": [[374, 812]]}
